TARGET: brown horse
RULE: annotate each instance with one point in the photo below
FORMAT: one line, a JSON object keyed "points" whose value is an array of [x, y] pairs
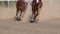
{"points": [[21, 7], [36, 7]]}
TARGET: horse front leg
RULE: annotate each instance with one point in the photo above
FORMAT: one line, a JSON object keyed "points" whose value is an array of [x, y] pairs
{"points": [[32, 17], [17, 15], [37, 15], [21, 15]]}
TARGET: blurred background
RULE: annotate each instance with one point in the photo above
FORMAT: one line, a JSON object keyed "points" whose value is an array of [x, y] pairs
{"points": [[12, 3], [9, 3]]}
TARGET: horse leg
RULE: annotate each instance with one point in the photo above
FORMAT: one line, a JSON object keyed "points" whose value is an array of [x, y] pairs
{"points": [[17, 17], [37, 15], [32, 17], [20, 15], [23, 12], [17, 12]]}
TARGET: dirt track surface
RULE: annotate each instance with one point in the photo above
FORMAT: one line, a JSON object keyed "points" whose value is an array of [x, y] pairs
{"points": [[49, 21]]}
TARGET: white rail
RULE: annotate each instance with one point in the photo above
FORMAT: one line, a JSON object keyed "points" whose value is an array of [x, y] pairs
{"points": [[8, 0]]}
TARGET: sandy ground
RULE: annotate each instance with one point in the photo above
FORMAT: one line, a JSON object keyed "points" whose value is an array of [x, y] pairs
{"points": [[49, 21]]}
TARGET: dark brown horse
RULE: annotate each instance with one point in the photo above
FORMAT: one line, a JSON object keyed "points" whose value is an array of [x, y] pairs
{"points": [[36, 8], [21, 7]]}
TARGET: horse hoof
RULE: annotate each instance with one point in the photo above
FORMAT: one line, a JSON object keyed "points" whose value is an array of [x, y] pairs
{"points": [[31, 21], [35, 22], [18, 19]]}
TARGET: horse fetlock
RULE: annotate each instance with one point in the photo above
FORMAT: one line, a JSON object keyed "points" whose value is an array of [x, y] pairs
{"points": [[18, 18], [32, 20]]}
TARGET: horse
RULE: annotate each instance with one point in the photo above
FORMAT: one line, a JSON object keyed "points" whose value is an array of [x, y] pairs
{"points": [[36, 8], [21, 6]]}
